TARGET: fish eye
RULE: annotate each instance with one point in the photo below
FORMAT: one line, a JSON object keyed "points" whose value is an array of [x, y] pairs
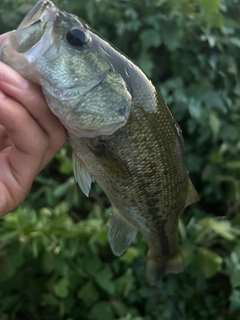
{"points": [[77, 37]]}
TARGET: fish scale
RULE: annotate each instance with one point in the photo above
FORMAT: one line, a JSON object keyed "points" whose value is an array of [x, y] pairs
{"points": [[121, 131]]}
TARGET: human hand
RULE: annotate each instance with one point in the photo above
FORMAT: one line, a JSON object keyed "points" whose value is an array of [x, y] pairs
{"points": [[30, 136]]}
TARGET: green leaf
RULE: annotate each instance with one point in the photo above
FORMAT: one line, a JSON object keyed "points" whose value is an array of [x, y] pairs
{"points": [[205, 262], [104, 280], [195, 108], [210, 7], [233, 165], [150, 38], [214, 99], [91, 265], [60, 190], [233, 267], [214, 123], [235, 41], [49, 261], [224, 229], [26, 217], [171, 35], [125, 283], [102, 311], [216, 158], [49, 299], [61, 287], [9, 236], [88, 293], [119, 307], [131, 254], [235, 277], [235, 300]]}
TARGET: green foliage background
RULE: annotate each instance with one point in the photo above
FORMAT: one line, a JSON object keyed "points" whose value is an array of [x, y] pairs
{"points": [[55, 260]]}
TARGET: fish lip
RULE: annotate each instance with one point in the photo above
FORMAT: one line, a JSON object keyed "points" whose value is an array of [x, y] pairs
{"points": [[40, 11], [37, 26], [42, 15]]}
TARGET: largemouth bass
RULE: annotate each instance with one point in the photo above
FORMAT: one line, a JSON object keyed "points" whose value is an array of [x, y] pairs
{"points": [[121, 130]]}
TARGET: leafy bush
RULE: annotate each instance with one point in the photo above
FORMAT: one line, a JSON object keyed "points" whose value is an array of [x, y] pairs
{"points": [[55, 260]]}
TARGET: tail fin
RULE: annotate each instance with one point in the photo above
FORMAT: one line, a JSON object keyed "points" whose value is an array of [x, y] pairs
{"points": [[174, 264], [156, 268]]}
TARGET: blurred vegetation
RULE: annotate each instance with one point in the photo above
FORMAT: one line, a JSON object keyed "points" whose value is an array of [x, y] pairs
{"points": [[55, 260]]}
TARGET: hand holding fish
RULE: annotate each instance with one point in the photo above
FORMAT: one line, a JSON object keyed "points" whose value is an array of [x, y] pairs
{"points": [[30, 135]]}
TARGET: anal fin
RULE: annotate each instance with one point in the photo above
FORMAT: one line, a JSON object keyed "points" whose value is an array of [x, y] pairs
{"points": [[81, 174], [121, 234], [192, 195]]}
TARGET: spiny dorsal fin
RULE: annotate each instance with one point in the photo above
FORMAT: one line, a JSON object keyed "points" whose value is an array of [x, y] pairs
{"points": [[192, 195], [121, 234], [81, 174]]}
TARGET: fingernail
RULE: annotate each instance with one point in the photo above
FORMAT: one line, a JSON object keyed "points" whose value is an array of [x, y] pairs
{"points": [[11, 77], [2, 95]]}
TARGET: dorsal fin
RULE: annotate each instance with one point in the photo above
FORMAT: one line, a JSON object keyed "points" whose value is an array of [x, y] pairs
{"points": [[192, 195], [81, 174], [121, 234]]}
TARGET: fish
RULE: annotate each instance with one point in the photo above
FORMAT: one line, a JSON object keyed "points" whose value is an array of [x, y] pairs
{"points": [[121, 131]]}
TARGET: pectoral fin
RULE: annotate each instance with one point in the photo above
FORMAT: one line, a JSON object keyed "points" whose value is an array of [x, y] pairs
{"points": [[121, 234], [111, 154], [81, 174], [192, 195]]}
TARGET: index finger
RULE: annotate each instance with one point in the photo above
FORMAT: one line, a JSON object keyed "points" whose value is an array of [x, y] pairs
{"points": [[31, 97]]}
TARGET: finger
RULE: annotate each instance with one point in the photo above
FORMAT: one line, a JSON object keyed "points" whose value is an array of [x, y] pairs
{"points": [[27, 93], [30, 95], [28, 150]]}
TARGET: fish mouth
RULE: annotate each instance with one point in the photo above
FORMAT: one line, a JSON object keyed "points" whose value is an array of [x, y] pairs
{"points": [[34, 35], [42, 11], [24, 40]]}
